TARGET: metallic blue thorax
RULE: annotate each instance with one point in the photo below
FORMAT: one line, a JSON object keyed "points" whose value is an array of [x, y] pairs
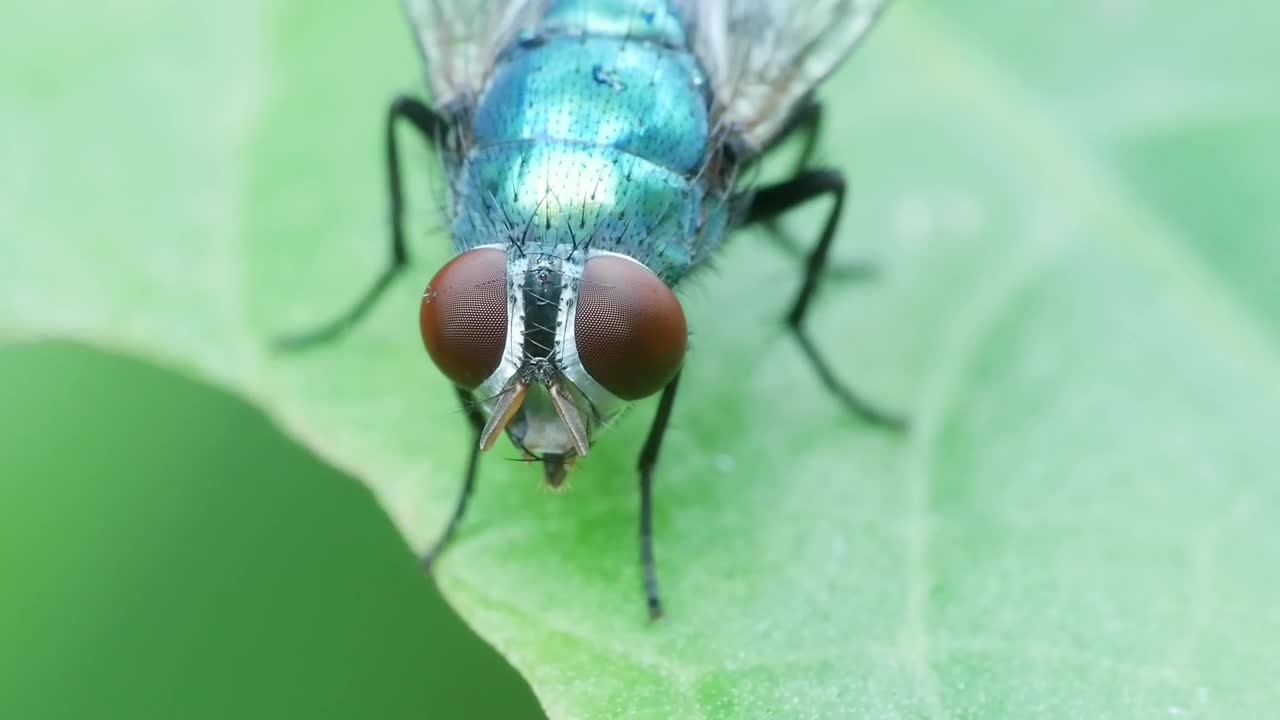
{"points": [[592, 134]]}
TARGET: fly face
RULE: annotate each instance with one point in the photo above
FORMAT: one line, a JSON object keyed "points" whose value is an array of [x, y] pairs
{"points": [[557, 347]]}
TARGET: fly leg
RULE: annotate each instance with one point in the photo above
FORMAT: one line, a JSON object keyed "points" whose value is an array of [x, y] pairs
{"points": [[476, 419], [431, 126], [770, 202], [806, 124], [648, 459]]}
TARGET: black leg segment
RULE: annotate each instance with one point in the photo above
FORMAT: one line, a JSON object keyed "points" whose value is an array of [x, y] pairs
{"points": [[805, 123], [648, 459], [774, 200], [430, 127], [476, 419]]}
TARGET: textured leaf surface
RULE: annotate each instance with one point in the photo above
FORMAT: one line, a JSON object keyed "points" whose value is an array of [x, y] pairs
{"points": [[1072, 206]]}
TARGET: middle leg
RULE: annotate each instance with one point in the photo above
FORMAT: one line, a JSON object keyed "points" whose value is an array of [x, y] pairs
{"points": [[774, 200], [806, 124]]}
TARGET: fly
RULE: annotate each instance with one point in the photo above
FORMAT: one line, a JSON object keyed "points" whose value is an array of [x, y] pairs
{"points": [[593, 150]]}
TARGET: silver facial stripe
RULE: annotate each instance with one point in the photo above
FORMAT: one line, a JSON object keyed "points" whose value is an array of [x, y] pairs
{"points": [[489, 390], [571, 274], [604, 403]]}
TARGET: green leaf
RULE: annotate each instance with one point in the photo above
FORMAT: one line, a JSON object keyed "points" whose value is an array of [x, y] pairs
{"points": [[1079, 310]]}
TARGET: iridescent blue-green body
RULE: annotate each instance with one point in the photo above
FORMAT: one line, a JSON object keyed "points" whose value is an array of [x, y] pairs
{"points": [[593, 133], [591, 148]]}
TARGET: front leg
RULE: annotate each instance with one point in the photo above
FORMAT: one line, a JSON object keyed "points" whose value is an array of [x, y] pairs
{"points": [[649, 459], [774, 200], [476, 419], [431, 127]]}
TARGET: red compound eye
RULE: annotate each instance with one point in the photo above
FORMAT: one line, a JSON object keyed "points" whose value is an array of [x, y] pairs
{"points": [[630, 329], [464, 316]]}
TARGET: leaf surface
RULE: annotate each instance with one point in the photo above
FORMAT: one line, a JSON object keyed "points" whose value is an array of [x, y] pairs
{"points": [[1077, 308]]}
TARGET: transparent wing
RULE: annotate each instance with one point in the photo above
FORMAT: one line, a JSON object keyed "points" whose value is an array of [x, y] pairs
{"points": [[460, 39], [764, 56]]}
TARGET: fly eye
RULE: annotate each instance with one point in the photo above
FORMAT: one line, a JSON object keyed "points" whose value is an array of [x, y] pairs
{"points": [[630, 329], [464, 316]]}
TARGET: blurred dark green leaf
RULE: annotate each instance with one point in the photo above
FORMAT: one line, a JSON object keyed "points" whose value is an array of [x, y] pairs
{"points": [[1070, 201], [165, 553]]}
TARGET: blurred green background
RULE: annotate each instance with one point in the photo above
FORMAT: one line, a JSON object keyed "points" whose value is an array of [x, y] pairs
{"points": [[167, 553]]}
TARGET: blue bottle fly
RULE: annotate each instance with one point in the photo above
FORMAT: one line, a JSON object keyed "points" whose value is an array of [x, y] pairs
{"points": [[592, 150]]}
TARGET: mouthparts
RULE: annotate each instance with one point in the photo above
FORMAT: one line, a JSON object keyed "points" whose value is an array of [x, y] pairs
{"points": [[557, 467]]}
